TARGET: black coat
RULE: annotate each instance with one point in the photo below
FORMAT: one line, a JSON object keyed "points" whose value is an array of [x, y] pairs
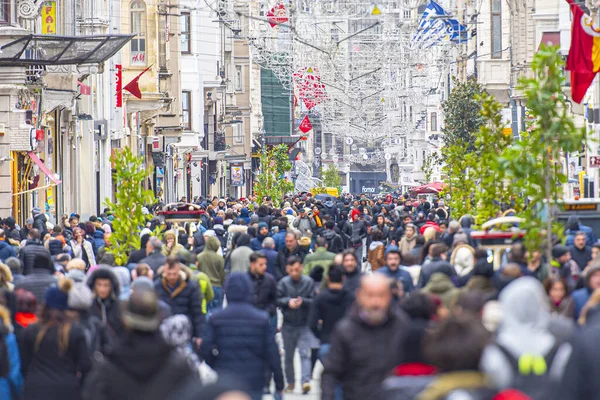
{"points": [[136, 256], [361, 355], [239, 341], [435, 265], [285, 253], [265, 292], [143, 366], [37, 283], [155, 260], [355, 232], [334, 241], [329, 306], [35, 255], [352, 281], [48, 374], [39, 223], [581, 257], [185, 299], [288, 289], [107, 310], [6, 251]]}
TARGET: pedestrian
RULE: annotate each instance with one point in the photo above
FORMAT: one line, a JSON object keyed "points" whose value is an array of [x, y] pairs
{"points": [[34, 255], [581, 253], [40, 278], [142, 366], [39, 221], [80, 300], [354, 361], [592, 283], [6, 278], [352, 273], [574, 225], [104, 284], [394, 270], [561, 302], [335, 243], [463, 260], [271, 254], [320, 257], [55, 357], [240, 341], [137, 256], [294, 296], [376, 252], [563, 266], [213, 265], [154, 255], [82, 248], [11, 379], [292, 248], [240, 255], [6, 249], [182, 295], [261, 234], [279, 237], [328, 308], [264, 285], [409, 239], [355, 231], [441, 286], [438, 253], [304, 223]]}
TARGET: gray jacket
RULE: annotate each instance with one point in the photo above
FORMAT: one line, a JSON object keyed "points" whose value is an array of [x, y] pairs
{"points": [[288, 289], [304, 225]]}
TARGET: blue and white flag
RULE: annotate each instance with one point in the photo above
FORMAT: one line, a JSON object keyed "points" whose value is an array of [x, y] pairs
{"points": [[436, 25]]}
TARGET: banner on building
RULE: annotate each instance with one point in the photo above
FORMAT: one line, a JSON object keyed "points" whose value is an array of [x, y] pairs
{"points": [[119, 85], [237, 174], [49, 18]]}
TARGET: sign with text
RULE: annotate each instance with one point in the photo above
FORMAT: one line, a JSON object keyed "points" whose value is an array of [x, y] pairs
{"points": [[581, 207], [595, 162], [49, 18]]}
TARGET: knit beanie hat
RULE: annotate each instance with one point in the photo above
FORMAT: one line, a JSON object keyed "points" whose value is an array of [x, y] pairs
{"points": [[80, 297], [142, 283], [218, 221], [354, 212], [76, 275], [57, 297]]}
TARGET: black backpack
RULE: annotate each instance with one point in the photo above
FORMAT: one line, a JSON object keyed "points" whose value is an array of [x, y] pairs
{"points": [[532, 374]]}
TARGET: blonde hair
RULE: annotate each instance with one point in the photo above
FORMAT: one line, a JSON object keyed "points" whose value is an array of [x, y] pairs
{"points": [[76, 263], [429, 234]]}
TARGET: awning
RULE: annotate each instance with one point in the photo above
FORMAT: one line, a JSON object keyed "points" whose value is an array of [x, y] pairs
{"points": [[550, 39], [43, 167], [61, 50]]}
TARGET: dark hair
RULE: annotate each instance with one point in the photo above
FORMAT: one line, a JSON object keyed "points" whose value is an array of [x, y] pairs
{"points": [[257, 255], [142, 269], [420, 239], [517, 253], [550, 281], [57, 229], [320, 241], [335, 274], [481, 253], [283, 223], [26, 301], [579, 233], [418, 306], [35, 234], [377, 235], [329, 224], [456, 344], [409, 259], [349, 252], [50, 318], [90, 228], [293, 260], [437, 249], [172, 262], [472, 301], [73, 218]]}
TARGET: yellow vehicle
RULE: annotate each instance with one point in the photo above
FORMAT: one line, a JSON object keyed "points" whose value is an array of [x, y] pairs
{"points": [[330, 191]]}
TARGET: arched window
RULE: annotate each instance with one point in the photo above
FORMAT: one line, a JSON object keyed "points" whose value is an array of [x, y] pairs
{"points": [[137, 10]]}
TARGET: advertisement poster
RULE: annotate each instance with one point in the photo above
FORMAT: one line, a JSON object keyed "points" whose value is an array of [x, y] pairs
{"points": [[237, 174], [49, 18]]}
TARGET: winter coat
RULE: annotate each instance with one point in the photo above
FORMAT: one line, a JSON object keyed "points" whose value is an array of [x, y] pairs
{"points": [[441, 286], [35, 255], [355, 361], [211, 263], [50, 375], [305, 225], [407, 243], [265, 292], [240, 259], [288, 289], [221, 235], [566, 307], [107, 310], [525, 329], [355, 232], [279, 239], [352, 280], [400, 275], [431, 267], [154, 260], [185, 300], [239, 340], [272, 266], [329, 307], [285, 253], [256, 243], [376, 255], [143, 366], [463, 259], [320, 258], [85, 251], [581, 257], [39, 223], [37, 283], [580, 297], [13, 382], [95, 332], [6, 251], [99, 237], [335, 243], [574, 225]]}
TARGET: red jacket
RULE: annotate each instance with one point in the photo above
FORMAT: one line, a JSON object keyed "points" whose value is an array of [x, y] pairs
{"points": [[429, 224]]}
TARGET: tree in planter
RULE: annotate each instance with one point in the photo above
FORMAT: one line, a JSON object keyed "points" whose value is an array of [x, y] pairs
{"points": [[130, 197], [271, 180], [535, 158], [331, 177], [462, 120]]}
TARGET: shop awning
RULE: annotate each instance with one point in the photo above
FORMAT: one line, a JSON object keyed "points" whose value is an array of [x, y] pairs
{"points": [[43, 167], [61, 50]]}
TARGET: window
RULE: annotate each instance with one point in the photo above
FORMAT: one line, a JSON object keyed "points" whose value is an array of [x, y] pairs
{"points": [[410, 114], [404, 111], [238, 81], [138, 26], [407, 14], [186, 109], [185, 33], [238, 133], [5, 11], [433, 124], [496, 28]]}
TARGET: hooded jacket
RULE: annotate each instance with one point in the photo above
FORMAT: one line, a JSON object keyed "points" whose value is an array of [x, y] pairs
{"points": [[108, 310], [401, 275], [332, 210], [334, 241], [240, 256], [329, 307], [524, 330], [6, 251], [440, 285], [574, 225], [211, 263], [431, 267], [239, 340], [35, 255], [321, 257], [143, 366], [176, 246], [39, 223], [463, 259]]}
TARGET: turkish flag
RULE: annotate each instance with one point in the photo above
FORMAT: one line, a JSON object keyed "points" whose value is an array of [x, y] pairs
{"points": [[584, 55], [277, 15], [133, 87], [305, 125], [84, 89]]}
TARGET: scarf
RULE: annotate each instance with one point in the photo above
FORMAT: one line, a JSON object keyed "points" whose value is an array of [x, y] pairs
{"points": [[318, 220], [25, 319]]}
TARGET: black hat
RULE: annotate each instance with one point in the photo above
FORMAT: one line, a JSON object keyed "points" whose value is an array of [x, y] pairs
{"points": [[559, 250]]}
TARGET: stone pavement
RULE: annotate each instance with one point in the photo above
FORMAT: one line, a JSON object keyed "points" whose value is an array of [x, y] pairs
{"points": [[315, 392]]}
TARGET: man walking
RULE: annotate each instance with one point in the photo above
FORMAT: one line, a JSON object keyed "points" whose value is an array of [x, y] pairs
{"points": [[354, 360], [292, 248], [239, 340], [294, 297], [394, 270], [213, 265], [355, 231], [320, 258]]}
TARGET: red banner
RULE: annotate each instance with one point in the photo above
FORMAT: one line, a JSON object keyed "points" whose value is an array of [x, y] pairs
{"points": [[119, 85]]}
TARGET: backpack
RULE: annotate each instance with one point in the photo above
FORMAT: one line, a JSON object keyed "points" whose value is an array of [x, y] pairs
{"points": [[532, 374]]}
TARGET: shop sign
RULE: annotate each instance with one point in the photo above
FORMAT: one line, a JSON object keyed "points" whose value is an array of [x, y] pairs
{"points": [[368, 189], [237, 174], [49, 18]]}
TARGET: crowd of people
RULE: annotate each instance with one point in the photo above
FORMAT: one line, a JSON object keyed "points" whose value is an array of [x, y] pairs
{"points": [[391, 294]]}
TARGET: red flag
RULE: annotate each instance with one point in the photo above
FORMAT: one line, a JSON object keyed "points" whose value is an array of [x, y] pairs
{"points": [[84, 90], [305, 125], [584, 55], [133, 87], [119, 85], [277, 15]]}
